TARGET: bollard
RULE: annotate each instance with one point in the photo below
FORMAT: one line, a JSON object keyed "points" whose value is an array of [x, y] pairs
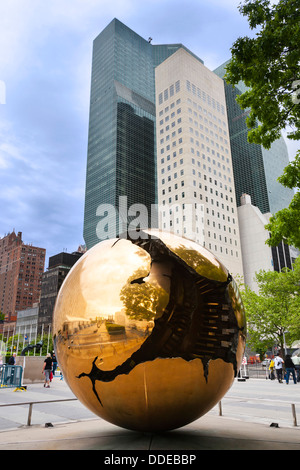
{"points": [[220, 408], [294, 414], [29, 414]]}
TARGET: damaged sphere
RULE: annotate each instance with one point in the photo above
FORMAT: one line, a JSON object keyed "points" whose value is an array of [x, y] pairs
{"points": [[149, 330]]}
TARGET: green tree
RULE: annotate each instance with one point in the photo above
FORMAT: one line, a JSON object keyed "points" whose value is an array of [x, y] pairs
{"points": [[274, 312], [143, 300], [269, 65], [285, 224], [12, 343]]}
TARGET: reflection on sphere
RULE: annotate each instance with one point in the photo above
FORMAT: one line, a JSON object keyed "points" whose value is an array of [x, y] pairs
{"points": [[149, 331]]}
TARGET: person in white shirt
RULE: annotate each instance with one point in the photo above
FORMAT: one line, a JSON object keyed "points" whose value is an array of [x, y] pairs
{"points": [[278, 367]]}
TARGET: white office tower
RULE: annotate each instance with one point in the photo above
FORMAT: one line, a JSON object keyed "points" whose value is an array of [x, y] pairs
{"points": [[195, 184], [257, 254]]}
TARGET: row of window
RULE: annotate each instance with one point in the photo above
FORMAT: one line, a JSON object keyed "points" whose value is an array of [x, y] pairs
{"points": [[213, 135], [199, 165], [170, 107], [175, 174], [169, 92], [196, 211], [213, 160], [194, 141], [213, 202], [198, 112], [205, 97], [196, 91], [206, 199], [216, 248]]}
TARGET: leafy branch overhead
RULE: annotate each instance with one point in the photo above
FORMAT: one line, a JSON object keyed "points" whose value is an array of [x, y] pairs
{"points": [[273, 313], [285, 224], [269, 65]]}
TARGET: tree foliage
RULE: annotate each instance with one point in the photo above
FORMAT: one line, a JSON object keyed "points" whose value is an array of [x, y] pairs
{"points": [[269, 65], [16, 343], [143, 300], [274, 312], [285, 224]]}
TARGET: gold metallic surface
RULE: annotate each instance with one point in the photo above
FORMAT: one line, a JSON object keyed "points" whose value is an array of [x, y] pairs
{"points": [[149, 332]]}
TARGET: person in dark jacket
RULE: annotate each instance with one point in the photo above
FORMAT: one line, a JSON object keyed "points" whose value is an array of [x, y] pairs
{"points": [[12, 360], [54, 363], [290, 369]]}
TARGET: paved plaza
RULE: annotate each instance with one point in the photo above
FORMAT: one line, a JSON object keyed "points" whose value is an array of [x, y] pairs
{"points": [[255, 414]]}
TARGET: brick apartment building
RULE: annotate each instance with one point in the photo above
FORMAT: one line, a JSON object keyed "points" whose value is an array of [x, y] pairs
{"points": [[21, 270]]}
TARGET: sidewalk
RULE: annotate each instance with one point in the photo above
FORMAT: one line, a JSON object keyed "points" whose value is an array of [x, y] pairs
{"points": [[75, 427], [207, 433], [13, 417]]}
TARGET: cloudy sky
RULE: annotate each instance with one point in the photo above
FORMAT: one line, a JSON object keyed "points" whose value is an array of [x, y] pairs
{"points": [[45, 69]]}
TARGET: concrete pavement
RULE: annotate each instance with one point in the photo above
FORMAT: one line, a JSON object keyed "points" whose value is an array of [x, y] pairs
{"points": [[248, 409]]}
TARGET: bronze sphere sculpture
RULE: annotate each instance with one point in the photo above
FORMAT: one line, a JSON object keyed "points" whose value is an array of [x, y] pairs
{"points": [[149, 331]]}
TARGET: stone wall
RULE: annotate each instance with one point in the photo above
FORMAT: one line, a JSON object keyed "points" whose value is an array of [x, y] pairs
{"points": [[32, 368]]}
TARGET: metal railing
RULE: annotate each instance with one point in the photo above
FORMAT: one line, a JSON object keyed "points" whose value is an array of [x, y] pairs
{"points": [[31, 403], [293, 406], [10, 376]]}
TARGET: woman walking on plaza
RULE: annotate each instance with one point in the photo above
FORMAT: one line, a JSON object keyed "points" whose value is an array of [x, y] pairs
{"points": [[47, 369]]}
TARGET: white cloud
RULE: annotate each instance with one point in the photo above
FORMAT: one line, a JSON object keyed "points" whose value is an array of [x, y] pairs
{"points": [[2, 92], [11, 152], [3, 162]]}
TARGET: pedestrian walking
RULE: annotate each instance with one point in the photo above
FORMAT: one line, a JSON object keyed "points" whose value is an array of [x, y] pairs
{"points": [[54, 363], [47, 369], [290, 369], [278, 367], [12, 360], [296, 361], [271, 369]]}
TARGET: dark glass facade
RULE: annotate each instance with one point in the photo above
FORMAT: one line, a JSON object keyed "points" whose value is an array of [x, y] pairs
{"points": [[255, 169], [121, 159], [247, 159], [135, 151], [281, 257]]}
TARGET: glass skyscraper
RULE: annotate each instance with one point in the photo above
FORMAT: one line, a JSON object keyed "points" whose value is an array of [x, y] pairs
{"points": [[121, 162], [255, 169]]}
